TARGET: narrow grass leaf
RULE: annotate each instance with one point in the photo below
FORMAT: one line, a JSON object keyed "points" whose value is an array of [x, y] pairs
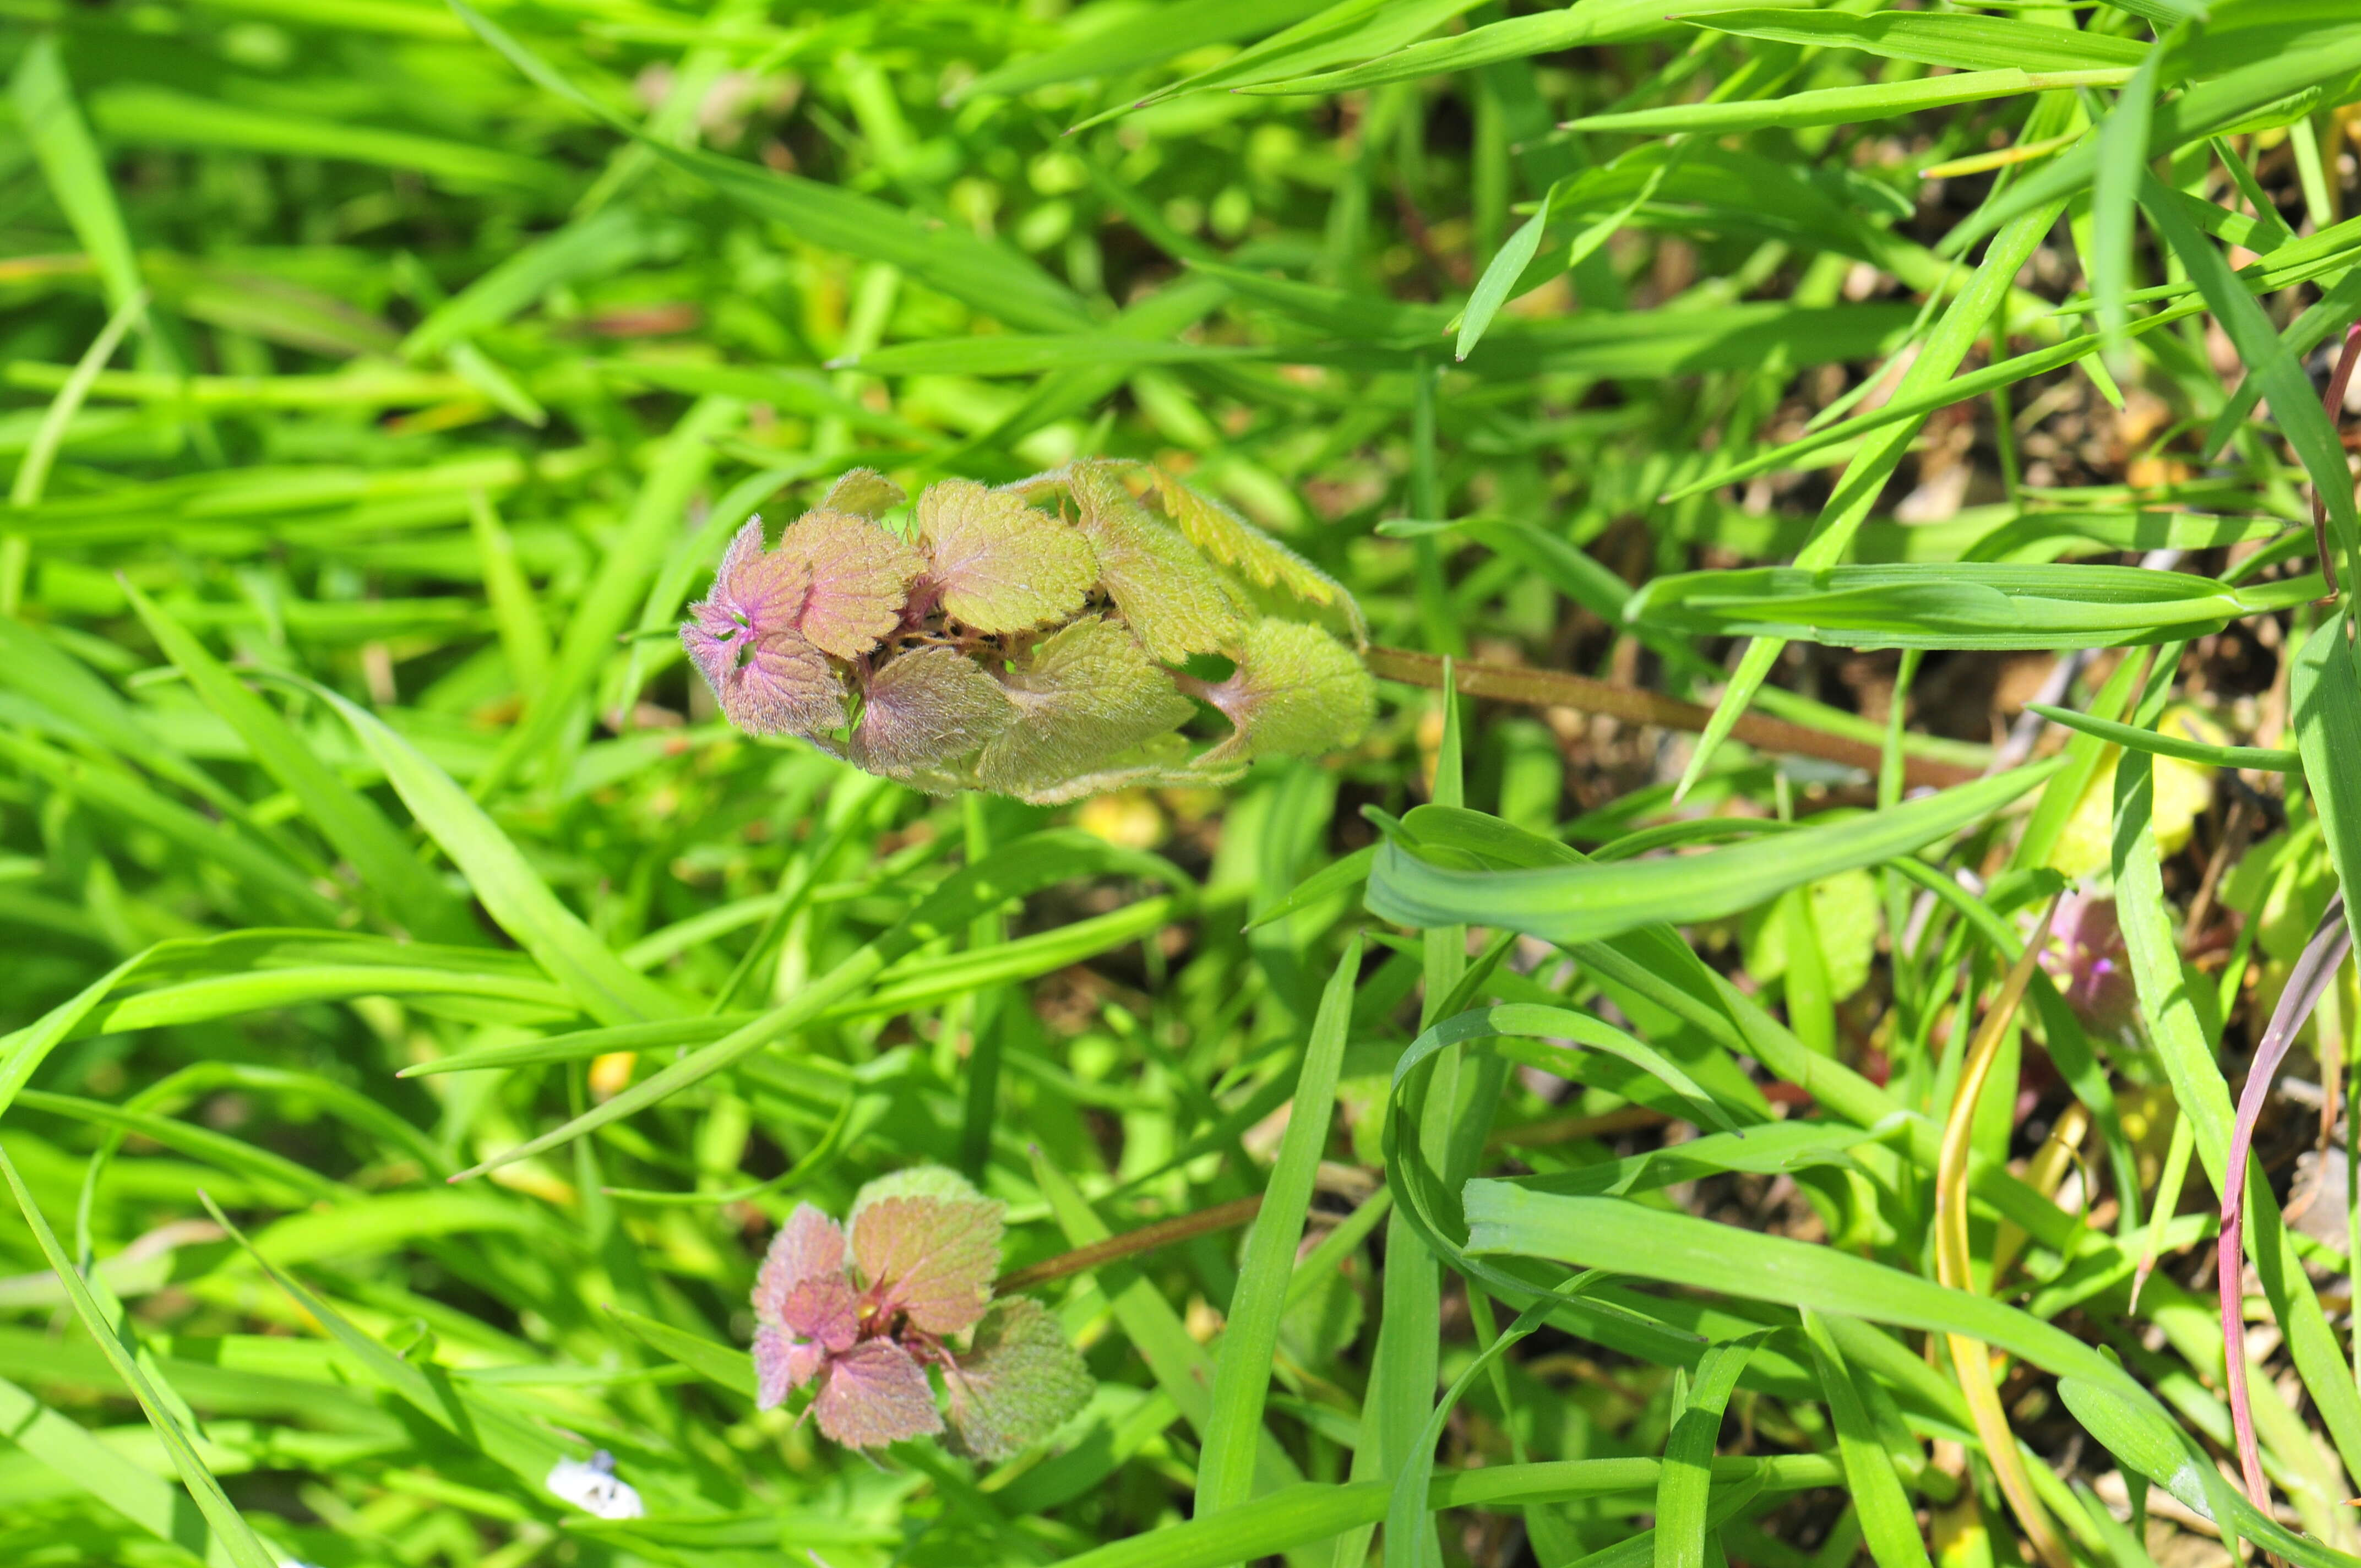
{"points": [[1594, 902], [511, 890], [388, 871], [1242, 1372], [1889, 1526], [220, 1513]]}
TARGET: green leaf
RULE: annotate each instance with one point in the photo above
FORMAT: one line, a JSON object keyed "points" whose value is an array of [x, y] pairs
{"points": [[1017, 1383], [1685, 1488], [720, 1364], [1963, 606], [1242, 1372], [2324, 705], [387, 869], [2158, 744], [1084, 696], [1962, 42], [1865, 477], [1037, 861], [1142, 39], [554, 710], [998, 564], [2114, 195], [235, 1535], [1587, 22], [1589, 902], [1170, 598], [2192, 1065], [511, 891], [1297, 692], [2293, 402], [2209, 108], [1500, 275], [1846, 105], [1889, 1527]]}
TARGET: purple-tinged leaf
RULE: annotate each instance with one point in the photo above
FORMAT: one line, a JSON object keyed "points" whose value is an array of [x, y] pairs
{"points": [[2313, 973], [1233, 542], [925, 709], [810, 1246], [1162, 762], [821, 1319], [1297, 692], [1020, 1382], [863, 492], [743, 637], [1084, 697], [860, 576], [998, 565], [927, 1245], [875, 1394], [1172, 601]]}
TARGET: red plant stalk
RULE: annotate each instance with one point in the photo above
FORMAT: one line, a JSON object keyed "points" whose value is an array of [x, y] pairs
{"points": [[2312, 975], [2332, 401]]}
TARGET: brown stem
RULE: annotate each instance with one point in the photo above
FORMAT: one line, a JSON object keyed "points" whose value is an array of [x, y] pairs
{"points": [[1147, 1238], [1553, 688]]}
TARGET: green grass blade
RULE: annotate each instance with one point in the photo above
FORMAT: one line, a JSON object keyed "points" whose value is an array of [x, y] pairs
{"points": [[2293, 402], [2158, 744], [553, 711], [511, 891], [388, 871], [1889, 1527], [1242, 1372], [236, 1536], [1591, 903], [1685, 1488]]}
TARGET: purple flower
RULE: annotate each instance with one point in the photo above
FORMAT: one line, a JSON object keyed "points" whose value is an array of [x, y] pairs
{"points": [[2085, 956]]}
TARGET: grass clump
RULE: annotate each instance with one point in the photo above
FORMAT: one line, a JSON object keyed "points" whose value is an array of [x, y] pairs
{"points": [[1746, 1077]]}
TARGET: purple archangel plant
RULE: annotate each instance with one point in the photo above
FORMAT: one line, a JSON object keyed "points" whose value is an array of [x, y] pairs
{"points": [[861, 1311], [1033, 640]]}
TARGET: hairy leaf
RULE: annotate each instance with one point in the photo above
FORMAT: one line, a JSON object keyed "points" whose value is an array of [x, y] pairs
{"points": [[998, 564], [927, 1245], [863, 492], [858, 579], [1083, 697], [743, 640], [875, 1394], [1172, 600], [1297, 692], [1237, 543], [1020, 1382], [925, 709]]}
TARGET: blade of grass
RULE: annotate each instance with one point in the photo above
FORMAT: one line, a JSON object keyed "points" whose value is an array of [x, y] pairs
{"points": [[236, 1536], [1226, 1468]]}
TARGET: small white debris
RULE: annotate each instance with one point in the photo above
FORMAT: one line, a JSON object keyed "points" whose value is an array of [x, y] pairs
{"points": [[590, 1484]]}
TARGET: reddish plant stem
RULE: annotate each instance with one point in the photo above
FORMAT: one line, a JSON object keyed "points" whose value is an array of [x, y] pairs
{"points": [[2312, 975], [1147, 1238], [2333, 402], [1553, 688]]}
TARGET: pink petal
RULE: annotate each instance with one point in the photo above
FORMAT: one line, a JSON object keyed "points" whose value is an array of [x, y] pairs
{"points": [[810, 1246], [931, 1257], [860, 578], [874, 1394], [925, 708]]}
